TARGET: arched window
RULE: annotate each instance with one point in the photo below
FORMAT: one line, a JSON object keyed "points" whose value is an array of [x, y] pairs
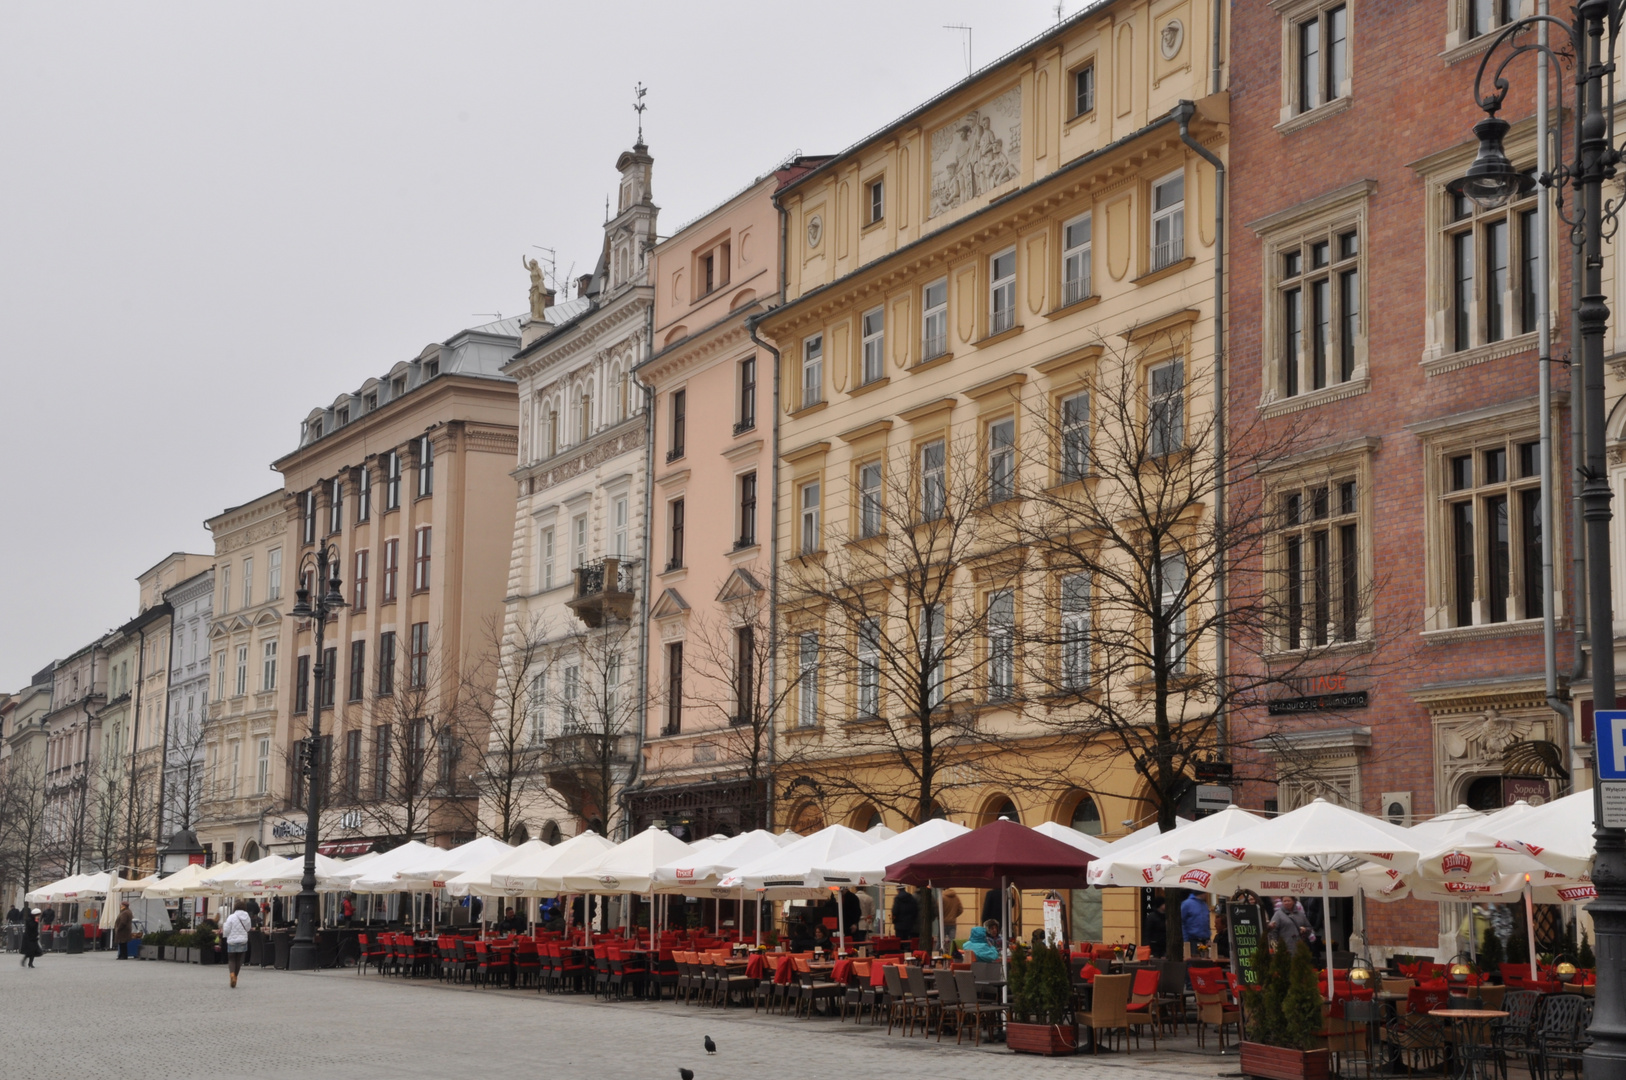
{"points": [[807, 819], [1086, 817], [1003, 808], [1485, 793], [866, 818], [550, 832], [519, 835]]}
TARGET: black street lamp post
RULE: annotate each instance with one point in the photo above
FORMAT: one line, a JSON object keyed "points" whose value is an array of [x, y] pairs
{"points": [[1590, 43], [325, 562]]}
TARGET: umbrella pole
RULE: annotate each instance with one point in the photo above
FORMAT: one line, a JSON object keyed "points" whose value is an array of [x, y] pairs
{"points": [[942, 942], [841, 922], [759, 919], [1005, 945], [1326, 929], [1530, 928]]}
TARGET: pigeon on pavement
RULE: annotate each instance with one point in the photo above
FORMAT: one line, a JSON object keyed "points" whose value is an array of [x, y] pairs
{"points": [[711, 1047], [685, 1074]]}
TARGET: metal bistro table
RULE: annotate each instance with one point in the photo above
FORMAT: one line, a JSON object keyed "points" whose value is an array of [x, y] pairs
{"points": [[1473, 1041]]}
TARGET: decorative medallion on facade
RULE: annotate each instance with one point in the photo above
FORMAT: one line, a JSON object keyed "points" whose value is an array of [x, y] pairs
{"points": [[978, 152], [1171, 38]]}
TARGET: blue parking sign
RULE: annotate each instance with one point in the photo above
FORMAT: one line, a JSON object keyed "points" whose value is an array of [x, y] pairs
{"points": [[1609, 729]]}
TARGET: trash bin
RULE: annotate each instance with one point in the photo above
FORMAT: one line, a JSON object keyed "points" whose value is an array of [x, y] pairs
{"points": [[282, 941], [75, 937]]}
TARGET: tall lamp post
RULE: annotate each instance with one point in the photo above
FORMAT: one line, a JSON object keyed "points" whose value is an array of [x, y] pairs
{"points": [[325, 562], [1590, 43]]}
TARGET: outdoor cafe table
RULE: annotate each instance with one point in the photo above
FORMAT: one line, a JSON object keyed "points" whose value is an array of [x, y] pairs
{"points": [[1471, 1028]]}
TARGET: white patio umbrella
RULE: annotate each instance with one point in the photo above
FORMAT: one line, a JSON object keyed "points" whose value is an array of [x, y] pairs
{"points": [[1321, 838], [53, 891], [287, 880], [538, 874], [237, 879], [432, 868], [628, 867], [476, 880], [1141, 865], [867, 865], [1090, 845], [701, 870], [1141, 835], [199, 877], [788, 873], [378, 875]]}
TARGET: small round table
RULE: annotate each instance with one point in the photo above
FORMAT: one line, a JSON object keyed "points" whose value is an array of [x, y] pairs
{"points": [[1474, 1051]]}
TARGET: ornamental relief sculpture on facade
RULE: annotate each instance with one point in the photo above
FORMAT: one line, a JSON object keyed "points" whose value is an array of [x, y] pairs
{"points": [[1473, 744], [977, 153]]}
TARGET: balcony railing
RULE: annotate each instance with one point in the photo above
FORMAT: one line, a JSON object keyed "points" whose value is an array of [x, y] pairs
{"points": [[604, 589]]}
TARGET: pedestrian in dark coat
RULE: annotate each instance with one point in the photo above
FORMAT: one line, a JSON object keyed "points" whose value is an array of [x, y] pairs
{"points": [[123, 930], [905, 915], [31, 938]]}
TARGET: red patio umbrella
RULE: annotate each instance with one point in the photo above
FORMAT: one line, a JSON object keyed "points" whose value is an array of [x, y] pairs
{"points": [[1000, 854]]}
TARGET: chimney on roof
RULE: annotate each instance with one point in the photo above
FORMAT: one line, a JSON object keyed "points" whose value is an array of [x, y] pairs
{"points": [[582, 283]]}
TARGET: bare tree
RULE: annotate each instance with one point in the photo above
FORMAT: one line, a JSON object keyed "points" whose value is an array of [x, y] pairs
{"points": [[23, 836], [885, 626], [504, 697], [730, 673], [184, 764], [109, 810], [592, 723]]}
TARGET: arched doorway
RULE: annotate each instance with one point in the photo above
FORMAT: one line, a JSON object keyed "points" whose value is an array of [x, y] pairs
{"points": [[251, 851], [1001, 806], [1085, 904], [1484, 793], [550, 832], [519, 834], [806, 819], [865, 818]]}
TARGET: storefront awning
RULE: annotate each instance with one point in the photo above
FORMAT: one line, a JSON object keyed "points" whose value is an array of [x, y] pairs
{"points": [[344, 848]]}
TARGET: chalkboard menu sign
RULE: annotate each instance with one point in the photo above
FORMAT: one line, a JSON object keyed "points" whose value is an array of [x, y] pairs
{"points": [[1247, 943]]}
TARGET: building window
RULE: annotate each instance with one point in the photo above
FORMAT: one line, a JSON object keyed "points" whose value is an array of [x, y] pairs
{"points": [[302, 685], [680, 406], [1001, 645], [619, 521], [674, 547], [1166, 422], [1322, 58], [877, 199], [809, 500], [578, 540], [391, 568], [807, 680], [358, 601], [536, 708], [745, 656], [584, 416], [392, 480], [869, 499], [674, 688], [1168, 220], [1172, 602], [386, 662], [1084, 90], [364, 494], [1493, 508], [262, 767], [1074, 422], [874, 337], [869, 668], [248, 582], [1002, 292], [352, 764], [553, 432], [242, 670], [1075, 260], [748, 511], [568, 716], [1487, 15], [418, 659], [934, 320], [268, 666], [929, 638], [1493, 270], [225, 588], [381, 761], [335, 507], [420, 559], [748, 395], [547, 559], [1002, 459], [1320, 289], [220, 675], [1075, 631], [307, 517], [426, 467], [329, 679], [1320, 563], [812, 370], [358, 669], [933, 481], [273, 574]]}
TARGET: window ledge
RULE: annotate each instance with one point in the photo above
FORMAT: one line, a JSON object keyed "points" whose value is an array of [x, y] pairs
{"points": [[869, 226], [1336, 648], [1515, 628], [1001, 336], [799, 731], [1077, 305], [1315, 115], [1168, 271], [932, 361], [1454, 54], [1479, 354], [808, 410], [864, 388], [1076, 117], [1335, 392], [744, 554], [673, 573], [868, 543]]}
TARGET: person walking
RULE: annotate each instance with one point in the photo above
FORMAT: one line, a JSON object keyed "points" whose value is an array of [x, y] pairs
{"points": [[123, 931], [235, 930], [1289, 926], [1196, 925], [953, 908], [31, 938]]}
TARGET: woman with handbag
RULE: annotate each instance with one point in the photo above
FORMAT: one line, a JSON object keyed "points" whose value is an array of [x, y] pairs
{"points": [[235, 930], [31, 938]]}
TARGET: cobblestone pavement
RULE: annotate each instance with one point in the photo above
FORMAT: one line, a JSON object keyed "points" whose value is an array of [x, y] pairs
{"points": [[75, 1017]]}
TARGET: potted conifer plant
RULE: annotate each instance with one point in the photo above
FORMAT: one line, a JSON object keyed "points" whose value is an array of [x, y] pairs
{"points": [[1283, 1020], [1041, 1002]]}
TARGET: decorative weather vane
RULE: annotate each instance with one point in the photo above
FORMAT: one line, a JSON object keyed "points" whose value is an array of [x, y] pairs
{"points": [[638, 106]]}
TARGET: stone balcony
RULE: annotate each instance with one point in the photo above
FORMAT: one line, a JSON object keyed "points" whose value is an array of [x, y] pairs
{"points": [[604, 590]]}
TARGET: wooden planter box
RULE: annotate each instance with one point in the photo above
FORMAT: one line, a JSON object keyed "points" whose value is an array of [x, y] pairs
{"points": [[1048, 1039], [1280, 1063]]}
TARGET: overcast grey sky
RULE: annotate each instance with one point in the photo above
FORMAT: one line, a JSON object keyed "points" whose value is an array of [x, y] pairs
{"points": [[214, 217]]}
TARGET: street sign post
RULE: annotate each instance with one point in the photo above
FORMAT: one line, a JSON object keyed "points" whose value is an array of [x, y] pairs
{"points": [[1609, 741]]}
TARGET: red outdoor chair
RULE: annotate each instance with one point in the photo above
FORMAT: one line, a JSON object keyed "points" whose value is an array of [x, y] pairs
{"points": [[527, 964]]}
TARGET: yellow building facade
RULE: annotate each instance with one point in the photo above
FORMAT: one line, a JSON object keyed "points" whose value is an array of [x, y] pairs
{"points": [[954, 285]]}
